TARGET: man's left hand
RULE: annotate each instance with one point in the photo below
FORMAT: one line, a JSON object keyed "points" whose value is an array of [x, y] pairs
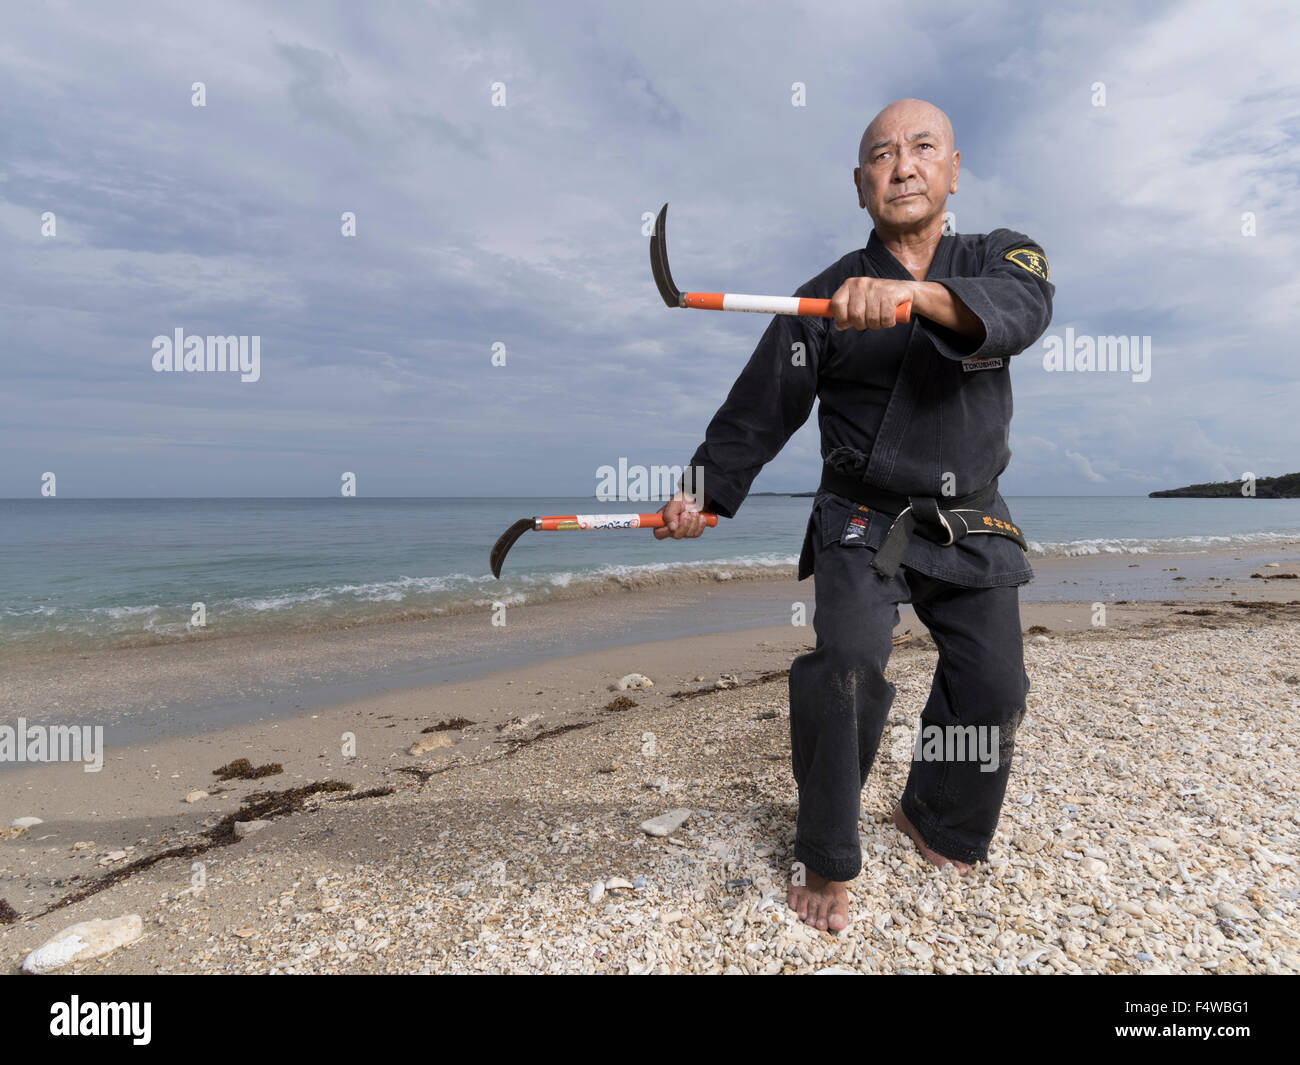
{"points": [[870, 302]]}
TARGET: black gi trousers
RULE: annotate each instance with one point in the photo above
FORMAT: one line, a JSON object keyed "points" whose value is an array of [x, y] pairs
{"points": [[840, 700]]}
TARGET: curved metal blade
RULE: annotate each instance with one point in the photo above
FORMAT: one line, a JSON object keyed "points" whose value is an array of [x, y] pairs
{"points": [[505, 542], [659, 261]]}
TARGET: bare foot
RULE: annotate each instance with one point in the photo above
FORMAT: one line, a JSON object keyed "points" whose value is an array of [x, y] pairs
{"points": [[822, 903], [933, 857]]}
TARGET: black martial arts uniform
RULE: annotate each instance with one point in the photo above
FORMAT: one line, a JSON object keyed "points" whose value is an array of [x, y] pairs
{"points": [[914, 422]]}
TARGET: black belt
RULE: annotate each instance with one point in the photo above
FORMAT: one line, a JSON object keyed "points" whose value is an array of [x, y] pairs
{"points": [[959, 517]]}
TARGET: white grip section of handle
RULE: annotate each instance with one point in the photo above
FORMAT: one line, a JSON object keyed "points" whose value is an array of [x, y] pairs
{"points": [[761, 304], [608, 521]]}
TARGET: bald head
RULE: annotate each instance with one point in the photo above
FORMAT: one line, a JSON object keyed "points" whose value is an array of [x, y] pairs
{"points": [[907, 168], [921, 114]]}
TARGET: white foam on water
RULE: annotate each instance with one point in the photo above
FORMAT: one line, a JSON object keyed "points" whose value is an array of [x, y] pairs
{"points": [[1173, 545]]}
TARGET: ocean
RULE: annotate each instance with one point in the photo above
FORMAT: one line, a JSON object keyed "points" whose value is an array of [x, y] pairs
{"points": [[76, 572]]}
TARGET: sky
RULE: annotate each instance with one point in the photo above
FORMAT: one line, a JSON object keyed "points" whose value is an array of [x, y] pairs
{"points": [[499, 161]]}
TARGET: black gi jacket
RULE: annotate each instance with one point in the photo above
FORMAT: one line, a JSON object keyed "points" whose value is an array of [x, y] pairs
{"points": [[899, 407]]}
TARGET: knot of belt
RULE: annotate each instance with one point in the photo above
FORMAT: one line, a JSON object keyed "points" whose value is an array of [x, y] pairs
{"points": [[943, 525]]}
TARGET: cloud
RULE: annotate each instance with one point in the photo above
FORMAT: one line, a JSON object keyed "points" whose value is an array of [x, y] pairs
{"points": [[1084, 465], [315, 87], [521, 225]]}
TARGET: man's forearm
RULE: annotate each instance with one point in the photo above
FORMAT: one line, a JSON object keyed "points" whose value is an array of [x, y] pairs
{"points": [[936, 302]]}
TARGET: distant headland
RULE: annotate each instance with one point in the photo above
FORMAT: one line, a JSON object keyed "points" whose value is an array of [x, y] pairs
{"points": [[1287, 486]]}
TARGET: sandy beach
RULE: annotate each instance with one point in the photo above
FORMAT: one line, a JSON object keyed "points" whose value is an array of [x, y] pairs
{"points": [[1151, 822]]}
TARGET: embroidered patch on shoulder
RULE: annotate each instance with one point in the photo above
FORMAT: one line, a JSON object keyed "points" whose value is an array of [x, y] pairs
{"points": [[1028, 259], [981, 364]]}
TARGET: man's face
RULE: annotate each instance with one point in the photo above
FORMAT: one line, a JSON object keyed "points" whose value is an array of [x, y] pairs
{"points": [[908, 169]]}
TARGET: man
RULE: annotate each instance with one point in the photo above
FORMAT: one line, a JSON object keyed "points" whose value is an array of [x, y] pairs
{"points": [[914, 426]]}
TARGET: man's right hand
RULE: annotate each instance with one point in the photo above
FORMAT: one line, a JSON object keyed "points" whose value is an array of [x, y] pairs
{"points": [[683, 518]]}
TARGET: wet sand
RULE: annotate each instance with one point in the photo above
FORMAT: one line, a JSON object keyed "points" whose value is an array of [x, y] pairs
{"points": [[140, 694]]}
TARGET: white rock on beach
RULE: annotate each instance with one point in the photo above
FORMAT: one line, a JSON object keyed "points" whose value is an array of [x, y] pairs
{"points": [[922, 950], [244, 829], [666, 824], [432, 742], [515, 724], [1162, 845], [633, 680], [1232, 912], [196, 796], [26, 822], [1093, 867], [82, 942]]}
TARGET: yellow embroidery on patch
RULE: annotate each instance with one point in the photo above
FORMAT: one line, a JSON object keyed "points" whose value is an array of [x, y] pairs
{"points": [[1030, 260]]}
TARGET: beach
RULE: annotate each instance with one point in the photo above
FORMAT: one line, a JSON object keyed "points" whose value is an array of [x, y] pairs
{"points": [[1150, 824]]}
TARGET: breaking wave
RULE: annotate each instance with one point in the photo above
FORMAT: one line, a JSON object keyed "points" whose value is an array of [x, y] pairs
{"points": [[1176, 545], [350, 605]]}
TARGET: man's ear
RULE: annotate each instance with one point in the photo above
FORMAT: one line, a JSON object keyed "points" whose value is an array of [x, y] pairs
{"points": [[857, 184], [956, 166]]}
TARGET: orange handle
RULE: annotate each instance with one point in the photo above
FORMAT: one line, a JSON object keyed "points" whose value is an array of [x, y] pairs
{"points": [[656, 521], [822, 309]]}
